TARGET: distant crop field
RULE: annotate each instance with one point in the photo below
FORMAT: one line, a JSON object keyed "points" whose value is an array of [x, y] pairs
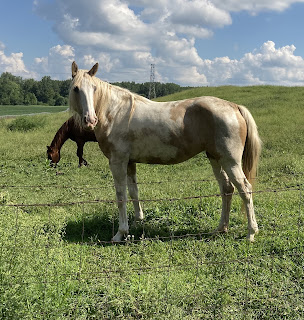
{"points": [[56, 258], [22, 110]]}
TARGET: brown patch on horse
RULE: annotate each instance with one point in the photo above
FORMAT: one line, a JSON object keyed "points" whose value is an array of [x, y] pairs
{"points": [[198, 126], [178, 109]]}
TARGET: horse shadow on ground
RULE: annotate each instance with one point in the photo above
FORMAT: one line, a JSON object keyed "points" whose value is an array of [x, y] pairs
{"points": [[99, 229]]}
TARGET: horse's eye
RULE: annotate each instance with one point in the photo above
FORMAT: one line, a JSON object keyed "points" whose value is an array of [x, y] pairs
{"points": [[76, 89]]}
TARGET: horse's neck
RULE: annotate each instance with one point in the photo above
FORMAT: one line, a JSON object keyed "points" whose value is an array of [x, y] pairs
{"points": [[61, 136]]}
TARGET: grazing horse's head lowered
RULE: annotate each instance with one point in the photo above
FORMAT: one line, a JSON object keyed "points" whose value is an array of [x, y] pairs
{"points": [[53, 155], [82, 95]]}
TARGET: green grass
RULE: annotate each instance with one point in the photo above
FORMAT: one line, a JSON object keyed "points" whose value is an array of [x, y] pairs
{"points": [[23, 110], [55, 262]]}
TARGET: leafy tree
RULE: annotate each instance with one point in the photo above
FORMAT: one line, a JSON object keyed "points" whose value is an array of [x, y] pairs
{"points": [[59, 100], [30, 99], [10, 92], [45, 92], [64, 87]]}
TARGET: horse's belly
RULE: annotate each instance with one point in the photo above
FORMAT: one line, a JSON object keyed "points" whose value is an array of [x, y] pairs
{"points": [[155, 151]]}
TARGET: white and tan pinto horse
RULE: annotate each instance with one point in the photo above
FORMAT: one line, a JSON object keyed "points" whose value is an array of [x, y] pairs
{"points": [[132, 129]]}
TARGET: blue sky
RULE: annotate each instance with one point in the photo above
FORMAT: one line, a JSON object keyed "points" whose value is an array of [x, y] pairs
{"points": [[191, 42], [248, 32]]}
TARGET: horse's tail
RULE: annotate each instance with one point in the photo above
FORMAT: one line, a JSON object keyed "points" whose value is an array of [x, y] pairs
{"points": [[252, 148]]}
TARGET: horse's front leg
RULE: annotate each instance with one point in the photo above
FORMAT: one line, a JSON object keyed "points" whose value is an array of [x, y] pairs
{"points": [[119, 172], [133, 191]]}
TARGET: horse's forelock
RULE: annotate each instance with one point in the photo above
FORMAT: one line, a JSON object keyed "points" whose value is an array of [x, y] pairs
{"points": [[78, 78]]}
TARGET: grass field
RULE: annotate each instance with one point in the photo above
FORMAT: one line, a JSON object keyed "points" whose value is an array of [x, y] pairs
{"points": [[22, 110], [56, 261]]}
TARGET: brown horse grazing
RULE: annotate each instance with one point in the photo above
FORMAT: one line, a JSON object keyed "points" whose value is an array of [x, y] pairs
{"points": [[69, 130]]}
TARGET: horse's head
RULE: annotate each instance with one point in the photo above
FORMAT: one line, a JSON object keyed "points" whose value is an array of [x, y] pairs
{"points": [[82, 95], [53, 155]]}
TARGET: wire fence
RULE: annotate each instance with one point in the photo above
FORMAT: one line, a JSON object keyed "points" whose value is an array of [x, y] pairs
{"points": [[48, 272]]}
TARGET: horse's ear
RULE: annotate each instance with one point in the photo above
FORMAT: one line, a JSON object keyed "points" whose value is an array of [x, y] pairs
{"points": [[49, 148], [94, 69], [74, 69]]}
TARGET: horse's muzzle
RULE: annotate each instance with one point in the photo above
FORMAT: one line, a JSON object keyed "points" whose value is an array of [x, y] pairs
{"points": [[90, 122]]}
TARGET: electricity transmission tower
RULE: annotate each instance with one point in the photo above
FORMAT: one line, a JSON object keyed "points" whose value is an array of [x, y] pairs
{"points": [[152, 93]]}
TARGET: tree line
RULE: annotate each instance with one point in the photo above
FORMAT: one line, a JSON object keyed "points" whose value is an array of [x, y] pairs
{"points": [[15, 90]]}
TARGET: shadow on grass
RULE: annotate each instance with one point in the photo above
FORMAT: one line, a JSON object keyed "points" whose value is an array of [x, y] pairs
{"points": [[89, 230], [99, 229]]}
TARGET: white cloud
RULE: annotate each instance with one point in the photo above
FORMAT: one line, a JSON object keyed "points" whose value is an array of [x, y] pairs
{"points": [[57, 64], [254, 6], [126, 36], [266, 65], [198, 13], [113, 26], [13, 63]]}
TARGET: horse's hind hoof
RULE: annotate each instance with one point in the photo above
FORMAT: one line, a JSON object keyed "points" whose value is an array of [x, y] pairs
{"points": [[83, 163]]}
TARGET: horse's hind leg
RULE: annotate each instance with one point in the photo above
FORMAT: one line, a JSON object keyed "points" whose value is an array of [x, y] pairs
{"points": [[226, 189], [133, 191], [80, 145], [238, 178]]}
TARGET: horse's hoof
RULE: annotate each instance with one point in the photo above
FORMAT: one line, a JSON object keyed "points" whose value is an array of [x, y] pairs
{"points": [[119, 236], [222, 229], [251, 234], [250, 238]]}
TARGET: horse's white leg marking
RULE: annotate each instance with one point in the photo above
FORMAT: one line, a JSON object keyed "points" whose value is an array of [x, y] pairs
{"points": [[133, 191], [226, 189], [238, 178], [119, 172]]}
